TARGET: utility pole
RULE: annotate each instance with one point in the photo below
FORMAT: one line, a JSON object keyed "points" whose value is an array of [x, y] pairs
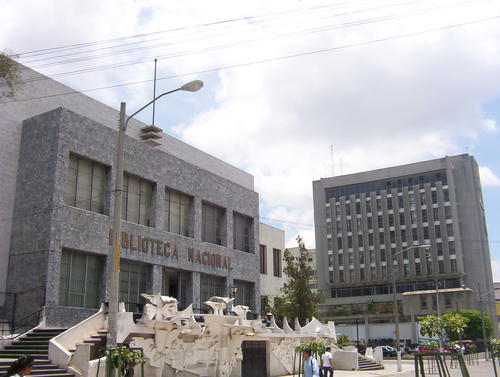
{"points": [[482, 322]]}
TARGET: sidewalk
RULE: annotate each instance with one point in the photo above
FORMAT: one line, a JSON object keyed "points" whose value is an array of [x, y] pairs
{"points": [[484, 369]]}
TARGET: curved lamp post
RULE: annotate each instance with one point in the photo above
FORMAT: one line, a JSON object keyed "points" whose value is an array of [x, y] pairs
{"points": [[114, 272]]}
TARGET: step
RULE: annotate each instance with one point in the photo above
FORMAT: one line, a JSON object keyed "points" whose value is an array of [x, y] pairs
{"points": [[53, 370], [27, 347], [66, 374], [31, 341], [55, 329]]}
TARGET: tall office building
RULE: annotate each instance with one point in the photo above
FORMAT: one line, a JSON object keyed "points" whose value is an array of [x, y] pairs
{"points": [[364, 219]]}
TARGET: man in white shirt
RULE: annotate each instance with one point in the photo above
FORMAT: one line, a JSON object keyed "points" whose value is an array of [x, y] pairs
{"points": [[327, 363]]}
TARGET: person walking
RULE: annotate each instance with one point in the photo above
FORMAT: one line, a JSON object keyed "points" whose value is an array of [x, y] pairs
{"points": [[311, 368], [21, 367], [327, 363]]}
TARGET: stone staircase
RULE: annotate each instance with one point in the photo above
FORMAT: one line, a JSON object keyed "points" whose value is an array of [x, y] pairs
{"points": [[35, 344], [365, 363]]}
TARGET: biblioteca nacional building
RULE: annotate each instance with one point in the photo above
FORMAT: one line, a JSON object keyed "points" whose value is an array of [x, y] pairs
{"points": [[190, 226]]}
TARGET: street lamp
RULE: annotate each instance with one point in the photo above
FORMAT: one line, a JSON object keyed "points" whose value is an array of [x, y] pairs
{"points": [[113, 286], [395, 302]]}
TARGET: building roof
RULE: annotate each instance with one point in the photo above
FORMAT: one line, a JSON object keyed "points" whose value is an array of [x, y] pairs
{"points": [[431, 291]]}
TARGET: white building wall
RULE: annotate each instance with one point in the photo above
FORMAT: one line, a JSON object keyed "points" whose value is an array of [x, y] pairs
{"points": [[271, 238]]}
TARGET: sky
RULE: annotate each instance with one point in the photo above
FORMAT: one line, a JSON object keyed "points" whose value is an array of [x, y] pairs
{"points": [[294, 90]]}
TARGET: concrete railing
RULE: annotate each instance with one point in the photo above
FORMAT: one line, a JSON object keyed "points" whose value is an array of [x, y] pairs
{"points": [[60, 346], [345, 360]]}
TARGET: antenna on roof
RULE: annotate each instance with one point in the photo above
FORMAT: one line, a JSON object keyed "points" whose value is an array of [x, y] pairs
{"points": [[331, 151], [154, 94]]}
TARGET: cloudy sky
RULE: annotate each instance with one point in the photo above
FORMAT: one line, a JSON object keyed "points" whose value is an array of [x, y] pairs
{"points": [[381, 82]]}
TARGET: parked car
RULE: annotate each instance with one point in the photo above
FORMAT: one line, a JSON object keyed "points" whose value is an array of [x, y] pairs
{"points": [[388, 351], [412, 348]]}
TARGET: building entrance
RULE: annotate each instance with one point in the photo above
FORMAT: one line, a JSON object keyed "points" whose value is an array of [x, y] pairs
{"points": [[254, 362]]}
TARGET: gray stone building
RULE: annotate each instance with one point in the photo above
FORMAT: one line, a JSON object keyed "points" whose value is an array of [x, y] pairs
{"points": [[364, 219], [190, 221]]}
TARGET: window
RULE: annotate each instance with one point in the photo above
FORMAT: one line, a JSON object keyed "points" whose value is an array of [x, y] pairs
{"points": [[382, 255], [429, 267], [137, 194], [392, 235], [341, 259], [212, 223], [277, 263], [405, 254], [341, 275], [178, 209], [434, 197], [381, 238], [86, 184], [360, 240], [447, 212], [438, 231], [414, 234], [423, 200], [406, 270], [330, 243], [426, 232], [413, 216], [400, 202], [133, 281], [401, 219], [370, 239], [424, 216], [380, 222], [439, 249], [418, 269], [403, 235], [79, 283], [358, 208], [351, 257], [330, 261], [339, 242], [372, 256], [210, 286], [243, 293], [435, 213], [348, 210], [351, 275], [349, 225], [349, 242], [362, 258], [412, 200], [391, 219], [242, 229], [441, 267], [263, 259], [446, 196], [368, 206], [359, 225], [370, 222], [389, 203], [361, 274], [383, 270], [449, 230], [339, 226], [379, 205], [453, 265], [451, 248]]}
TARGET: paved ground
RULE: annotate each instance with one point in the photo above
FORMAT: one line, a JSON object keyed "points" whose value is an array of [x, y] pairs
{"points": [[484, 369]]}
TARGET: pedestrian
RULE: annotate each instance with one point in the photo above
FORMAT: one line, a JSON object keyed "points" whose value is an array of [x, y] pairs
{"points": [[311, 368], [327, 363], [21, 367]]}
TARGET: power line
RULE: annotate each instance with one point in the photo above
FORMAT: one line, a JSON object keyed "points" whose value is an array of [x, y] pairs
{"points": [[269, 60]]}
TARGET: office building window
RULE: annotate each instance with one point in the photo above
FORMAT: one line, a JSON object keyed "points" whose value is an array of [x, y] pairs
{"points": [[277, 268], [400, 202], [446, 196], [339, 226], [80, 280], [389, 204], [213, 222], [368, 206], [439, 248], [453, 265], [349, 242], [369, 221], [348, 210], [383, 271], [451, 248], [178, 209], [372, 256], [339, 243], [380, 222], [361, 274], [359, 225], [379, 205], [449, 230], [382, 255], [391, 219], [362, 257], [418, 269], [405, 254], [370, 239], [435, 213], [426, 232], [351, 257], [406, 270], [437, 230], [358, 208], [441, 266], [351, 275], [341, 276], [263, 259], [401, 219], [330, 260], [414, 234], [360, 240], [381, 238], [243, 293], [434, 302], [86, 184], [423, 200], [134, 278], [392, 235], [348, 225], [434, 197], [330, 243], [403, 235], [429, 267], [242, 230], [447, 212], [210, 286], [412, 200], [424, 216], [413, 216], [341, 259], [137, 195]]}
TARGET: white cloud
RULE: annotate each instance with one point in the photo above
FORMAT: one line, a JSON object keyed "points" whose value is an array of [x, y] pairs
{"points": [[488, 177], [495, 267]]}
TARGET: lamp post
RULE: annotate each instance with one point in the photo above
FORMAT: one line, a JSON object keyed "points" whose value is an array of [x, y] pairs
{"points": [[114, 273], [395, 302]]}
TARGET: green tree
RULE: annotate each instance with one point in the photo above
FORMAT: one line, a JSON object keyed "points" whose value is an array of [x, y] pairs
{"points": [[451, 324], [9, 76], [297, 301], [474, 329]]}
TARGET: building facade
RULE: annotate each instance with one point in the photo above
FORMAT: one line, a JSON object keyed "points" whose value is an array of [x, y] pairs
{"points": [[311, 261], [271, 248], [363, 220], [190, 221]]}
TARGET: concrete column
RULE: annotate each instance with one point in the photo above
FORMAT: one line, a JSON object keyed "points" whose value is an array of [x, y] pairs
{"points": [[414, 332], [156, 279], [193, 292], [367, 329], [158, 207], [197, 219]]}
